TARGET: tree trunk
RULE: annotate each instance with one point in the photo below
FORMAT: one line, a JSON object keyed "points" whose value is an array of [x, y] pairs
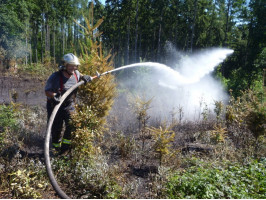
{"points": [[227, 22], [139, 51], [30, 53], [210, 28], [193, 26], [54, 46], [136, 32], [70, 34], [159, 39], [63, 38], [26, 59], [119, 57], [47, 40], [35, 42], [42, 43], [47, 36], [153, 45], [127, 44]]}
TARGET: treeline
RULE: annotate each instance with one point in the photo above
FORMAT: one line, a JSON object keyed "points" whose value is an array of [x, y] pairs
{"points": [[140, 30], [38, 29]]}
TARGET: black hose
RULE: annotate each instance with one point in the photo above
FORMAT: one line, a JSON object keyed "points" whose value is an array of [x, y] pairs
{"points": [[55, 185]]}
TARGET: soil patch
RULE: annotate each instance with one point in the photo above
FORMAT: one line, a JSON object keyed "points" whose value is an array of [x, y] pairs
{"points": [[28, 91]]}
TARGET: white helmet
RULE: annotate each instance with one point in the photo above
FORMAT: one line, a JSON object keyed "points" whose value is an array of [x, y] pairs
{"points": [[70, 58]]}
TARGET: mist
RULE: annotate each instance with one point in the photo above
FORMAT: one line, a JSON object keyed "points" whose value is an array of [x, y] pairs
{"points": [[183, 90]]}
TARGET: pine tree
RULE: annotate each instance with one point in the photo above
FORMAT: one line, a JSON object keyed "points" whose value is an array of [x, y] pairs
{"points": [[96, 97]]}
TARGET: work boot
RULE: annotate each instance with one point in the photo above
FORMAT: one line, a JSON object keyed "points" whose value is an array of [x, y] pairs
{"points": [[65, 149]]}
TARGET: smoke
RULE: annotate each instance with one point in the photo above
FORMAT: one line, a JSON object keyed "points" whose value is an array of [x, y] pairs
{"points": [[187, 88], [13, 48]]}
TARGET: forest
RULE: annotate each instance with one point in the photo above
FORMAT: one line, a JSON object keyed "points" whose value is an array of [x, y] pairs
{"points": [[123, 146], [139, 30]]}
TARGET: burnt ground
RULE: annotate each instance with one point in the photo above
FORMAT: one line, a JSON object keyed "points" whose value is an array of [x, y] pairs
{"points": [[30, 92], [26, 90]]}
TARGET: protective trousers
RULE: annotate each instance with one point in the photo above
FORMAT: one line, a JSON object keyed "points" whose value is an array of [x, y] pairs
{"points": [[63, 116]]}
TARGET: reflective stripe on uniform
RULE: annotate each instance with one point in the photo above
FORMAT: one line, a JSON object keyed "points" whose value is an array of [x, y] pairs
{"points": [[65, 141], [57, 144]]}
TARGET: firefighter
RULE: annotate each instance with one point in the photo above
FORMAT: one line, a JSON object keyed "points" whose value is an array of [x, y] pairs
{"points": [[57, 84]]}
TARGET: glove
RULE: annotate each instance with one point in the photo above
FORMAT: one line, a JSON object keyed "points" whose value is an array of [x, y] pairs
{"points": [[56, 98], [86, 78]]}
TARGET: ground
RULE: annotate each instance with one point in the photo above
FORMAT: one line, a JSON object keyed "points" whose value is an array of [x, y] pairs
{"points": [[27, 90]]}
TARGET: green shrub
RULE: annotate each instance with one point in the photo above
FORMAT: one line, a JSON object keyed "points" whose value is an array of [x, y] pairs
{"points": [[246, 116], [86, 132], [163, 136], [8, 123], [26, 184], [230, 181], [7, 117]]}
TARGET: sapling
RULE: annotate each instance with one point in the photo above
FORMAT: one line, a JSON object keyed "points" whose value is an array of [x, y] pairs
{"points": [[163, 136]]}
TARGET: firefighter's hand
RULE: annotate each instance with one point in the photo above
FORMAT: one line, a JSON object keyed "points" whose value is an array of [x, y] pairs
{"points": [[56, 98], [86, 78]]}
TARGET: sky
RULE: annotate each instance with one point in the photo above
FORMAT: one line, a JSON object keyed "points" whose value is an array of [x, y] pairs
{"points": [[102, 1]]}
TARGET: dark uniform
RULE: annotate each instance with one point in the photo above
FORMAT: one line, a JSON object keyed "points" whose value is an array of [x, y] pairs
{"points": [[57, 82]]}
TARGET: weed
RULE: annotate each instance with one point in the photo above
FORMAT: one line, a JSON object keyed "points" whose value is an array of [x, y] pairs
{"points": [[14, 95], [126, 145], [218, 135], [141, 108], [181, 113], [7, 117], [25, 184], [218, 110], [8, 124], [209, 181], [205, 112]]}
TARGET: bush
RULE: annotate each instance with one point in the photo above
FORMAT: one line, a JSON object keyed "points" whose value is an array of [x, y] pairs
{"points": [[163, 136], [247, 110], [247, 116], [230, 181], [86, 124], [7, 117], [8, 123], [90, 178], [26, 184]]}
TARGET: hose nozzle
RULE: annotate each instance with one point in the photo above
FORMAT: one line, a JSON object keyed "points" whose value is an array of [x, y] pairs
{"points": [[98, 74]]}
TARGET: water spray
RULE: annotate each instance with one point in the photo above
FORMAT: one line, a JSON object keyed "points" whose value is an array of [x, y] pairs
{"points": [[179, 80]]}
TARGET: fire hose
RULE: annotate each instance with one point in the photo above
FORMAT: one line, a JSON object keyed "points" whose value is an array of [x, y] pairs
{"points": [[49, 170]]}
